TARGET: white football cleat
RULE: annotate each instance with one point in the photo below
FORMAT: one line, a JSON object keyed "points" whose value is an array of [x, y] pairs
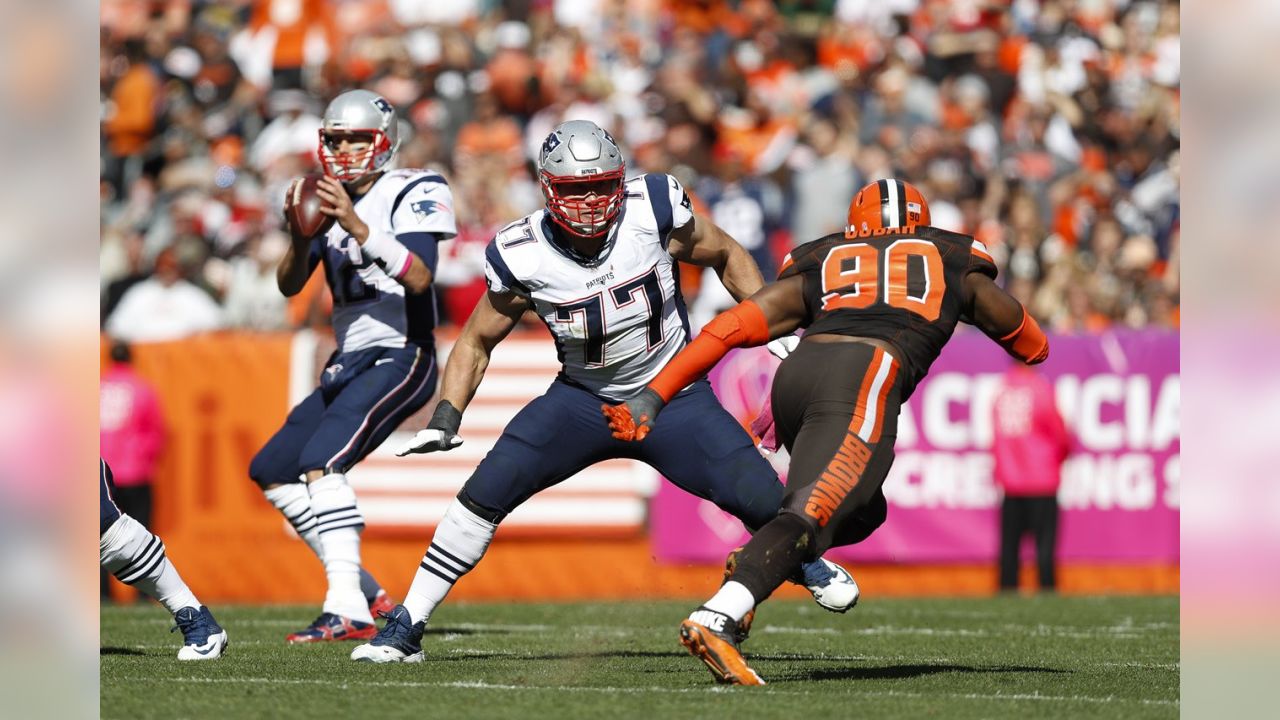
{"points": [[384, 654], [836, 590]]}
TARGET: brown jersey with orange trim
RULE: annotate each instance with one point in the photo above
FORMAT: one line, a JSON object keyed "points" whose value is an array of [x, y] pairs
{"points": [[904, 286]]}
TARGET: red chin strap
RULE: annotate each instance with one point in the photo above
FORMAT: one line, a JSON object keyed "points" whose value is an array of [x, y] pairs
{"points": [[574, 211]]}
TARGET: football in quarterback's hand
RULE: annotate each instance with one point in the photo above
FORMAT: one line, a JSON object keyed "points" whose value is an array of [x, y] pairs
{"points": [[302, 208]]}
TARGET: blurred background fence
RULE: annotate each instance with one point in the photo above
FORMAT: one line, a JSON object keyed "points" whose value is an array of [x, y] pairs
{"points": [[616, 530]]}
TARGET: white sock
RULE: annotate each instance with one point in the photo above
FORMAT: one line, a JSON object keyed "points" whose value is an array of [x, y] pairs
{"points": [[459, 543], [294, 502], [733, 599], [136, 557], [339, 523]]}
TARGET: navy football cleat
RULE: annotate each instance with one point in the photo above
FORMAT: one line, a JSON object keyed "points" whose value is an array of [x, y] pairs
{"points": [[832, 586], [400, 640], [202, 637], [329, 627]]}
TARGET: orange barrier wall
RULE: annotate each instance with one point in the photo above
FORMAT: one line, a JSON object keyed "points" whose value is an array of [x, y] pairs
{"points": [[224, 394]]}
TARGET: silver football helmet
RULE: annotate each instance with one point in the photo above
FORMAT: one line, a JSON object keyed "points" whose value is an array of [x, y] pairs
{"points": [[582, 171], [358, 116]]}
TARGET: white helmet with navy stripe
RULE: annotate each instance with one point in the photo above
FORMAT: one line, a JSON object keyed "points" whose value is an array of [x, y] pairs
{"points": [[358, 116], [581, 170]]}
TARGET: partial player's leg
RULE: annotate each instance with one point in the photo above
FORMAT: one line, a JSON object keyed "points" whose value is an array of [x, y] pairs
{"points": [[702, 449], [843, 400], [371, 392], [136, 557], [275, 469], [552, 438]]}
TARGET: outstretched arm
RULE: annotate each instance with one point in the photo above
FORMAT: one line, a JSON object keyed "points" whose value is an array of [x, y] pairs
{"points": [[772, 312], [1005, 320], [491, 321], [702, 242]]}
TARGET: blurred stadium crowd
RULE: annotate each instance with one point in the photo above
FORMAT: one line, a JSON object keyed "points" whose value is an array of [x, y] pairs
{"points": [[1047, 128]]}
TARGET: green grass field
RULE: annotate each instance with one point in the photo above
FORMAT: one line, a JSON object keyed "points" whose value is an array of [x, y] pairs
{"points": [[1068, 657]]}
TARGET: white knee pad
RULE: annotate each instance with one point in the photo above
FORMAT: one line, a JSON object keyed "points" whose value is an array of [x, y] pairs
{"points": [[333, 503]]}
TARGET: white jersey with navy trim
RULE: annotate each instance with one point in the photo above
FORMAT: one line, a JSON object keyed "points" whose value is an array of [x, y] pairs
{"points": [[370, 308], [620, 319]]}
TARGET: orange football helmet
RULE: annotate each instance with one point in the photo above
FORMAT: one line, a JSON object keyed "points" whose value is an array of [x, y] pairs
{"points": [[886, 204]]}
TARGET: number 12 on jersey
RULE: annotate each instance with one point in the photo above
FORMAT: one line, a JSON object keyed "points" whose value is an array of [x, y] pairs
{"points": [[854, 277]]}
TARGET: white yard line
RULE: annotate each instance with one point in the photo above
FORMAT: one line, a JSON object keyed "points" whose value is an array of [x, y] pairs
{"points": [[478, 685], [1143, 665], [1112, 633]]}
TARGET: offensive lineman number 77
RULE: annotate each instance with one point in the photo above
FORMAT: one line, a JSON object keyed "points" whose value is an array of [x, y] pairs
{"points": [[851, 277]]}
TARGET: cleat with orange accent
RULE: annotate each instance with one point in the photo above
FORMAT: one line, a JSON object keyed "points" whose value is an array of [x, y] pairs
{"points": [[329, 627], [711, 637], [382, 604]]}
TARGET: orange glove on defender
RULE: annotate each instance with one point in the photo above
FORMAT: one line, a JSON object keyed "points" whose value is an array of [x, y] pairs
{"points": [[1028, 343], [742, 326]]}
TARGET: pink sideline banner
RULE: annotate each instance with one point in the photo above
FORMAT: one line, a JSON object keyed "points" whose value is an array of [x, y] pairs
{"points": [[1119, 393]]}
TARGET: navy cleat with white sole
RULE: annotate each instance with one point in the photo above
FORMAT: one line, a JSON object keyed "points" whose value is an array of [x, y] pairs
{"points": [[400, 640], [202, 637], [832, 587]]}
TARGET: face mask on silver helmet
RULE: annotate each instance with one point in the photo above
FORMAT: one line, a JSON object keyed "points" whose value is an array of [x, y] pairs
{"points": [[582, 171], [358, 116]]}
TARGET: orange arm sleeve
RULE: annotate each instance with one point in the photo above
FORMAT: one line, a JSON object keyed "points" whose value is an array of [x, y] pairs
{"points": [[742, 326], [1028, 343]]}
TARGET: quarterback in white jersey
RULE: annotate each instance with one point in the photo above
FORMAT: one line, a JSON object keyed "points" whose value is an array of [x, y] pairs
{"points": [[379, 258], [598, 265], [373, 304]]}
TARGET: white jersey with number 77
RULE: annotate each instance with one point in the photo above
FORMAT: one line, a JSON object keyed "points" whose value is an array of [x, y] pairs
{"points": [[618, 318]]}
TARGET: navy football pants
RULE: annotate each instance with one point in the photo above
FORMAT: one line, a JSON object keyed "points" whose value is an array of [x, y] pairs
{"points": [[363, 397], [695, 444], [108, 513]]}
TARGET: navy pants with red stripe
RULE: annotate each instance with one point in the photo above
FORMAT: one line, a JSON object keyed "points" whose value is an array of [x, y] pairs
{"points": [[836, 408], [363, 397]]}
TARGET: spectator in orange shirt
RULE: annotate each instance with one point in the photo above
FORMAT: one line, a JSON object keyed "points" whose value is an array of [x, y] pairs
{"points": [[488, 133], [131, 121], [294, 22]]}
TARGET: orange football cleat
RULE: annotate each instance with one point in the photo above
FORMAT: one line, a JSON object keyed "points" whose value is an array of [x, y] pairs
{"points": [[709, 636]]}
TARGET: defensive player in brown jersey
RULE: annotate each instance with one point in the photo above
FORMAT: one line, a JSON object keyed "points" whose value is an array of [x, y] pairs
{"points": [[878, 301]]}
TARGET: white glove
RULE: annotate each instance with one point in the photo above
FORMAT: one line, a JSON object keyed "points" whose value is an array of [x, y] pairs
{"points": [[429, 440], [783, 346]]}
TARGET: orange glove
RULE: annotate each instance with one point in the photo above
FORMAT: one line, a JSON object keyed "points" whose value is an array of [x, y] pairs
{"points": [[633, 420], [1028, 343]]}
